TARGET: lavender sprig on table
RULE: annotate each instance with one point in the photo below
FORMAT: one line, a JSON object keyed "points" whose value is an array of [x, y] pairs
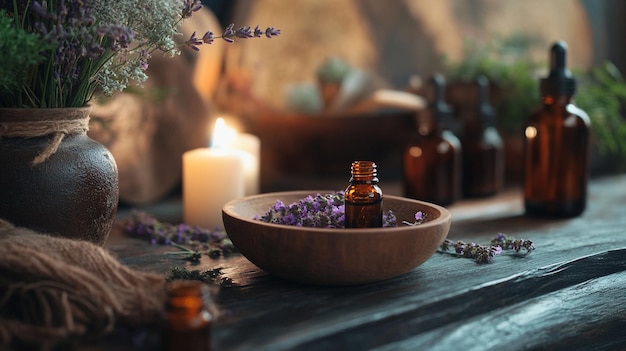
{"points": [[212, 276], [486, 253], [195, 240], [514, 244]]}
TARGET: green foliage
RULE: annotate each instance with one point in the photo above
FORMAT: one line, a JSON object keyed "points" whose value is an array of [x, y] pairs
{"points": [[602, 95], [506, 63], [601, 90], [19, 49]]}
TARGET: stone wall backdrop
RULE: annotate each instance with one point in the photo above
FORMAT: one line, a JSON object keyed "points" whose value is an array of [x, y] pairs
{"points": [[398, 38]]}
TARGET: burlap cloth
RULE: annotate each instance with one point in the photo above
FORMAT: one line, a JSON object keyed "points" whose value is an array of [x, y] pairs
{"points": [[54, 288]]}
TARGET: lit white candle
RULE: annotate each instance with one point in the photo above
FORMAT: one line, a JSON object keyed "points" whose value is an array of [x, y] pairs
{"points": [[250, 145], [211, 177]]}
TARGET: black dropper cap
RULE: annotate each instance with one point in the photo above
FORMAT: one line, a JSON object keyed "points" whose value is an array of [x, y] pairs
{"points": [[560, 81], [442, 112], [486, 112]]}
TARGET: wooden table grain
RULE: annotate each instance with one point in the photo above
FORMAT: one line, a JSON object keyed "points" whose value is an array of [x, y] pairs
{"points": [[569, 294]]}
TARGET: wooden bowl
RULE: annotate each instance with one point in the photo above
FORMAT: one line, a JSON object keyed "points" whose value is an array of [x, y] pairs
{"points": [[334, 256]]}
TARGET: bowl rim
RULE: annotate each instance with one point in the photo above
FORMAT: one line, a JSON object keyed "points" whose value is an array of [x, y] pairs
{"points": [[228, 210]]}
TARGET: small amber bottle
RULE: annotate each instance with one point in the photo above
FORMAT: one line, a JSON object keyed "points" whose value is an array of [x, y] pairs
{"points": [[363, 197], [557, 146], [432, 158], [188, 317], [483, 149]]}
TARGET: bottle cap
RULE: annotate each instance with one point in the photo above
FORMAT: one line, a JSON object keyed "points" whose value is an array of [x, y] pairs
{"points": [[560, 80], [442, 112], [486, 112]]}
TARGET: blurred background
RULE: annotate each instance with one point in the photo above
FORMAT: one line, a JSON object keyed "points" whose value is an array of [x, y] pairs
{"points": [[275, 88]]}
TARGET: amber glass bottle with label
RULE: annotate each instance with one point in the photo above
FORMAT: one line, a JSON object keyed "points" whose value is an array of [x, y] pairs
{"points": [[363, 197], [432, 159], [557, 146], [483, 149], [188, 317]]}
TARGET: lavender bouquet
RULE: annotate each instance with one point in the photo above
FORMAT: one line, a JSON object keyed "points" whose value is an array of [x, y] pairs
{"points": [[58, 53]]}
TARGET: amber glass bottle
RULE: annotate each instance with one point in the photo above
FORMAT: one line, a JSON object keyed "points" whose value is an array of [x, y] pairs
{"points": [[188, 317], [363, 197], [432, 158], [483, 149], [557, 146]]}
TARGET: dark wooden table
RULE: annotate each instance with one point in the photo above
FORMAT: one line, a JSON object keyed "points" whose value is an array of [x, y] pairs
{"points": [[570, 293]]}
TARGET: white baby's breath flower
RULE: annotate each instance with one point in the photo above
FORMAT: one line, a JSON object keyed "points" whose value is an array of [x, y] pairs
{"points": [[154, 23]]}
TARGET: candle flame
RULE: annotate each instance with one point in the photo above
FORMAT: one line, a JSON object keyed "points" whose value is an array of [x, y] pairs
{"points": [[222, 134]]}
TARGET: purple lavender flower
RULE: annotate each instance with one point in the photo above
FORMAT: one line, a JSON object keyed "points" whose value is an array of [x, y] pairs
{"points": [[207, 38], [420, 217], [499, 237], [194, 42], [320, 211], [389, 219], [480, 253], [258, 32], [486, 253], [244, 32], [271, 32], [228, 33], [142, 225], [39, 10], [189, 7], [509, 243]]}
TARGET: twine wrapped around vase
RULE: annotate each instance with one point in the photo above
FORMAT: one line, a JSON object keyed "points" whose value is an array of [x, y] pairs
{"points": [[53, 288], [32, 123]]}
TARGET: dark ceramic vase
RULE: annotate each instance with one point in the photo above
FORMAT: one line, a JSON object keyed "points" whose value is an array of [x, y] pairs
{"points": [[73, 193]]}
